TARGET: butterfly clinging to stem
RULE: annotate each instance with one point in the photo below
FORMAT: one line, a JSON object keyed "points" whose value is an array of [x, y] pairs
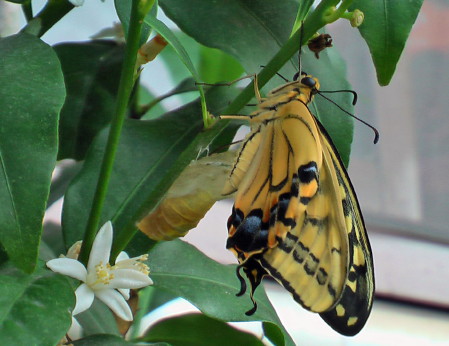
{"points": [[296, 216]]}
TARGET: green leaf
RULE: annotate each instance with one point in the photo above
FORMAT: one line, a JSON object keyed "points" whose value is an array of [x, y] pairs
{"points": [[155, 297], [52, 244], [198, 330], [31, 96], [153, 108], [179, 72], [216, 66], [171, 38], [19, 1], [149, 106], [98, 319], [385, 29], [273, 333], [247, 30], [34, 309], [212, 65], [183, 270], [102, 340], [168, 35], [303, 10], [149, 299], [145, 167], [92, 74]]}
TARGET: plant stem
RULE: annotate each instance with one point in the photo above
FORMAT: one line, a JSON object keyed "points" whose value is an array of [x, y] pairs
{"points": [[53, 11], [27, 11], [124, 92], [335, 13]]}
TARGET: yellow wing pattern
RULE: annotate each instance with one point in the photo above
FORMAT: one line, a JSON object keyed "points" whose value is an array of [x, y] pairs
{"points": [[296, 216]]}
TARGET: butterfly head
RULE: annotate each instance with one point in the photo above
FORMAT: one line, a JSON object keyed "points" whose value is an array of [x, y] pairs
{"points": [[308, 85]]}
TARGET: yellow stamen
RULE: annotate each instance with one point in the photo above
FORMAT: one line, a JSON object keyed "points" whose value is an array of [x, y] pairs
{"points": [[104, 274]]}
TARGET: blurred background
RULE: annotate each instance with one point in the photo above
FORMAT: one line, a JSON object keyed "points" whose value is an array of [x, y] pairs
{"points": [[402, 182]]}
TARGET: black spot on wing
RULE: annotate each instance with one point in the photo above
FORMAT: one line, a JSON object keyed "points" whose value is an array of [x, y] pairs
{"points": [[305, 200], [288, 243], [308, 172], [236, 218], [299, 256], [359, 270], [320, 223], [352, 276], [347, 207], [334, 249], [285, 246], [331, 290], [311, 265], [300, 253], [251, 233], [277, 212], [294, 189], [321, 276]]}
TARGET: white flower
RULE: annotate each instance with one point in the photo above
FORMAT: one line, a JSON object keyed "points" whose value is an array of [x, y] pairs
{"points": [[77, 3], [110, 284]]}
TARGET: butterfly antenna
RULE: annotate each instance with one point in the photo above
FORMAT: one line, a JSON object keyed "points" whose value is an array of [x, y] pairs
{"points": [[278, 74], [376, 133], [354, 94]]}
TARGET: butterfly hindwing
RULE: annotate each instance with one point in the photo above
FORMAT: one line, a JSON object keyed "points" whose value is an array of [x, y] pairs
{"points": [[296, 216], [353, 309]]}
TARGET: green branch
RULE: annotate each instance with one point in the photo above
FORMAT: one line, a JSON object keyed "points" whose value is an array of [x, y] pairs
{"points": [[127, 78], [53, 11], [27, 10]]}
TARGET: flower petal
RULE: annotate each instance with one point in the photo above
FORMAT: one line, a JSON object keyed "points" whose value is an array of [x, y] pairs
{"points": [[129, 278], [124, 292], [69, 267], [74, 250], [75, 331], [116, 302], [101, 247], [84, 299], [132, 263], [121, 257]]}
